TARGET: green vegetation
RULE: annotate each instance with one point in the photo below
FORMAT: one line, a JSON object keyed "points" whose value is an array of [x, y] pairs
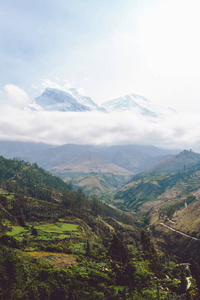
{"points": [[17, 230], [170, 209], [44, 231], [146, 188], [57, 243]]}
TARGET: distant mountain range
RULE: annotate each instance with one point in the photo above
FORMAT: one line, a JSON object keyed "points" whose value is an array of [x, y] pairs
{"points": [[102, 168], [71, 100], [126, 158]]}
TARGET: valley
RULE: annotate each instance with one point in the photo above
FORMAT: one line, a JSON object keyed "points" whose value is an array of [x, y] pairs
{"points": [[149, 226], [99, 150], [100, 170]]}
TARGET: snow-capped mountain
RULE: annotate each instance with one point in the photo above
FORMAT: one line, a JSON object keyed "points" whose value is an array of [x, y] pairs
{"points": [[60, 100], [135, 103], [53, 99], [85, 100]]}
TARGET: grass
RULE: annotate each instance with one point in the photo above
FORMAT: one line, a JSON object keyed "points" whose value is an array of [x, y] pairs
{"points": [[58, 260], [46, 231], [57, 227], [16, 230]]}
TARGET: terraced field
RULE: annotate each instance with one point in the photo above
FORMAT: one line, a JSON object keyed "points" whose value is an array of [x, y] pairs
{"points": [[46, 231]]}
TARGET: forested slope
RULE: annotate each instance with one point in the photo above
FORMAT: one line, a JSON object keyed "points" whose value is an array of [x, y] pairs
{"points": [[57, 243]]}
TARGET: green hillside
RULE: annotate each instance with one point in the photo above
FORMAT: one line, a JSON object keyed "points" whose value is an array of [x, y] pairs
{"points": [[99, 170], [150, 185], [57, 243], [172, 202]]}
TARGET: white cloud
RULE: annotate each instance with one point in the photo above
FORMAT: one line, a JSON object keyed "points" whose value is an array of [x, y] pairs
{"points": [[172, 131], [14, 96], [180, 132]]}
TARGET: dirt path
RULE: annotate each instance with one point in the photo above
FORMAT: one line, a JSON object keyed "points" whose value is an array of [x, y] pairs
{"points": [[188, 282], [184, 234]]}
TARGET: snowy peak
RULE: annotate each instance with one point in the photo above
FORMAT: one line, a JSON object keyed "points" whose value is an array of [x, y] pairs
{"points": [[53, 99], [58, 100], [83, 99], [132, 102], [63, 100], [138, 104]]}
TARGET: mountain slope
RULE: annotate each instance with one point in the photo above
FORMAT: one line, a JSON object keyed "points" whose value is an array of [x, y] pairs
{"points": [[172, 202], [53, 99], [134, 158], [136, 103], [74, 248], [88, 162], [31, 183], [12, 149], [19, 176], [99, 184], [105, 168], [93, 173], [63, 100], [153, 186], [179, 162], [70, 99]]}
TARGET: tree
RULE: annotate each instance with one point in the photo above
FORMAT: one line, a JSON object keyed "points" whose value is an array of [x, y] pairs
{"points": [[150, 253], [122, 266], [117, 251], [34, 231], [88, 249]]}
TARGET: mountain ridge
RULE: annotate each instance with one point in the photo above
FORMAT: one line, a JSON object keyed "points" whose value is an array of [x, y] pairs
{"points": [[111, 164], [54, 99]]}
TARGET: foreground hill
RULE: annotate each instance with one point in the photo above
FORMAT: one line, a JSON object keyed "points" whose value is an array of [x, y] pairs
{"points": [[56, 243], [30, 194], [26, 180]]}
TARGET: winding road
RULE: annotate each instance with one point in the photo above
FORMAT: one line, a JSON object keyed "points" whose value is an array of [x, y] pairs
{"points": [[184, 234]]}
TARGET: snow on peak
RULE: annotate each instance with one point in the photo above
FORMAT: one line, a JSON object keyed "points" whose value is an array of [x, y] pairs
{"points": [[53, 99], [135, 103]]}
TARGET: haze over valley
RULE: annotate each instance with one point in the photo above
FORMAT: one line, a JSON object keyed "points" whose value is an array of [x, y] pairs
{"points": [[99, 150]]}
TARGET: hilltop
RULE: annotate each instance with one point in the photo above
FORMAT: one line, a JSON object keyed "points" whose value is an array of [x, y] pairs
{"points": [[180, 162]]}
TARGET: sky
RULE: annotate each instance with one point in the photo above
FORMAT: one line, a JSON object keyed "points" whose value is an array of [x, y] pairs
{"points": [[106, 49]]}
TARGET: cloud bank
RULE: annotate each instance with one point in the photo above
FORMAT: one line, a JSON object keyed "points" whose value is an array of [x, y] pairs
{"points": [[172, 131]]}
